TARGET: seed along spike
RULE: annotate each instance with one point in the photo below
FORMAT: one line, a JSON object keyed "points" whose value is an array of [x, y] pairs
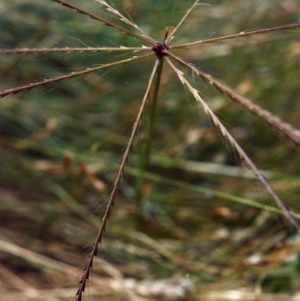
{"points": [[115, 187], [235, 145], [68, 76], [104, 221], [88, 272], [97, 18], [78, 298], [96, 250], [91, 262]]}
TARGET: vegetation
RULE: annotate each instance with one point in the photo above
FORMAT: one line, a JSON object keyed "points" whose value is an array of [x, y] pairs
{"points": [[98, 111]]}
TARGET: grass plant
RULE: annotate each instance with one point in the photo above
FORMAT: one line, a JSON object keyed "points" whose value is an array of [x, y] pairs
{"points": [[62, 134]]}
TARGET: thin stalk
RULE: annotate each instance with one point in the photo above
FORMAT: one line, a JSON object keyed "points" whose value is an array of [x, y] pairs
{"points": [[30, 86], [238, 35], [147, 149], [69, 50], [133, 136]]}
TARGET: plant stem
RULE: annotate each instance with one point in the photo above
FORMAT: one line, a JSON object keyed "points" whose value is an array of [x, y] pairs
{"points": [[146, 150]]}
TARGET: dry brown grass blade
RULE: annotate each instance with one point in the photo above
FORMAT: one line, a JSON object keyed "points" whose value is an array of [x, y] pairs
{"points": [[97, 18], [233, 142], [238, 35], [37, 259], [17, 282], [69, 50], [68, 76], [45, 262], [280, 127], [114, 191]]}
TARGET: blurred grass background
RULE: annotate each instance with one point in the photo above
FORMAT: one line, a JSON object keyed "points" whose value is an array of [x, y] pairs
{"points": [[61, 146]]}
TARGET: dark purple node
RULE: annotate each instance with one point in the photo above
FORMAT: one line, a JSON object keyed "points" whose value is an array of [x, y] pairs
{"points": [[159, 50]]}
